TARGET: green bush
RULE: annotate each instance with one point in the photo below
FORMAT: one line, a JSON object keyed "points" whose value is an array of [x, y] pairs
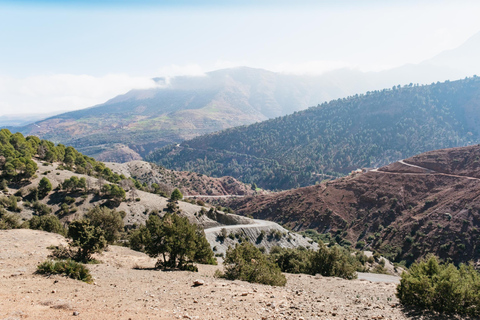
{"points": [[89, 239], [44, 187], [41, 209], [49, 223], [297, 260], [8, 220], [176, 195], [110, 221], [441, 287], [334, 262], [246, 262], [69, 268], [175, 240]]}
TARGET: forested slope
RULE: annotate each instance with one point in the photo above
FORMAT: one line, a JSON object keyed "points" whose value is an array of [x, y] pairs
{"points": [[367, 130]]}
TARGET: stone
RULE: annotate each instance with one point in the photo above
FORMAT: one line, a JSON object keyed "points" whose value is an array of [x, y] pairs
{"points": [[198, 282]]}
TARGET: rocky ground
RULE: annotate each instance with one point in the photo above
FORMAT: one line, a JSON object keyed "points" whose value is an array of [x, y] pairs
{"points": [[126, 288]]}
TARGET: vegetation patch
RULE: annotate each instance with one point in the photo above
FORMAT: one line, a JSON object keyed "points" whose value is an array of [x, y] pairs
{"points": [[430, 284], [69, 268]]}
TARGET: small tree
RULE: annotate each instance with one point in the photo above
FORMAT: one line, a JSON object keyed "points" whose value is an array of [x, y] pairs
{"points": [[177, 241], [89, 239], [49, 223], [110, 221], [246, 262], [44, 187], [176, 195]]}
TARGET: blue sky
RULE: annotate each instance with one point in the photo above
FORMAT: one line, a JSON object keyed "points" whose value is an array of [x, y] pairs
{"points": [[64, 55]]}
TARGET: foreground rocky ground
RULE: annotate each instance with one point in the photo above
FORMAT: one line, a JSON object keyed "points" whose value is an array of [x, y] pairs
{"points": [[125, 288]]}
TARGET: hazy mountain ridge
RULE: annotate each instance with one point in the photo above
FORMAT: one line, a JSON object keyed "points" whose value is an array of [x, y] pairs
{"points": [[337, 137], [182, 108]]}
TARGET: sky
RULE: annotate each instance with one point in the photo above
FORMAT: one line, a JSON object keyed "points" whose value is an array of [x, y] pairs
{"points": [[66, 55]]}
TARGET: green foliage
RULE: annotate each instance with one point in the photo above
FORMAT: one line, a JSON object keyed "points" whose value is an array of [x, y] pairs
{"points": [[315, 236], [113, 191], [49, 223], [334, 262], [110, 221], [88, 238], [69, 268], [74, 183], [176, 195], [10, 203], [442, 287], [44, 187], [329, 140], [138, 238], [41, 209], [248, 263], [178, 242], [290, 260], [8, 220]]}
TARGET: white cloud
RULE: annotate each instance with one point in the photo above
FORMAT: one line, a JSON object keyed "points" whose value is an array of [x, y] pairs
{"points": [[63, 92], [174, 70], [311, 67]]}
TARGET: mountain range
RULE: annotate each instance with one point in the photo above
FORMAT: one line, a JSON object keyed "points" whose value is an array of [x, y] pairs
{"points": [[130, 126], [334, 138]]}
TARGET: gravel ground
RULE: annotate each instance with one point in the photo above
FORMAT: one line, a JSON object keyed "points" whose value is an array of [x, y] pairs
{"points": [[126, 288]]}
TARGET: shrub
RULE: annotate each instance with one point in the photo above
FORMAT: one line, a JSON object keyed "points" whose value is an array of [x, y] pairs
{"points": [[138, 238], [176, 195], [69, 268], [41, 209], [49, 223], [110, 221], [441, 287], [10, 203], [69, 200], [44, 187], [292, 260], [360, 244], [178, 242], [89, 239], [334, 261], [246, 262], [8, 220]]}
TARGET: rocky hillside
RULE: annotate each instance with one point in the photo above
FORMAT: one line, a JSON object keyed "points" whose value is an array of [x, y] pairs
{"points": [[190, 183], [39, 179], [337, 137], [425, 204]]}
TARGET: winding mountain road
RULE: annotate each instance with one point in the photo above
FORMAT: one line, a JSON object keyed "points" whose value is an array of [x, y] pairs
{"points": [[221, 196], [428, 171]]}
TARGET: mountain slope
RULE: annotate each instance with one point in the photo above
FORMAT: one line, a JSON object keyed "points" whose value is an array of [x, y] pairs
{"points": [[190, 183], [403, 210], [337, 137], [131, 125]]}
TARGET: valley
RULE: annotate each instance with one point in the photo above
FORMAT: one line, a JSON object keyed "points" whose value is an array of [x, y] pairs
{"points": [[333, 139]]}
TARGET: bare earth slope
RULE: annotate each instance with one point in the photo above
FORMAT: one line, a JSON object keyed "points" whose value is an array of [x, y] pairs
{"points": [[121, 292], [428, 203], [190, 183]]}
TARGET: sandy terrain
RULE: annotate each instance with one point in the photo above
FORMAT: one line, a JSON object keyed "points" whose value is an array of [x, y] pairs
{"points": [[121, 292]]}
